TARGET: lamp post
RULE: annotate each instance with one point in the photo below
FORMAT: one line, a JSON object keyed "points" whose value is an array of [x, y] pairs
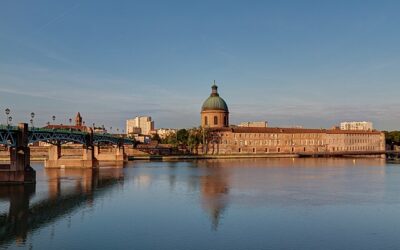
{"points": [[32, 116], [54, 118], [9, 120], [7, 114], [70, 121]]}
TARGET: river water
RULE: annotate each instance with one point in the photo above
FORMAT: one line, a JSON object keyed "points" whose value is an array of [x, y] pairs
{"points": [[209, 204]]}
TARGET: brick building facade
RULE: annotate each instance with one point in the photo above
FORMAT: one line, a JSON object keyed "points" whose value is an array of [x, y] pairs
{"points": [[236, 140], [225, 139]]}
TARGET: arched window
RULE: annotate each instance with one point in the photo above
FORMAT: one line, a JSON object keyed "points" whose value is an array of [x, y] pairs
{"points": [[226, 121], [215, 120], [206, 120]]}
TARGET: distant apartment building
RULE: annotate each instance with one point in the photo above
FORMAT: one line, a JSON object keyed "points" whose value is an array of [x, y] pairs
{"points": [[140, 125], [165, 132], [362, 126], [257, 124]]}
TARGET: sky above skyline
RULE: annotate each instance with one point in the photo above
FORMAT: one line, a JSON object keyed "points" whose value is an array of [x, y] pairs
{"points": [[309, 63]]}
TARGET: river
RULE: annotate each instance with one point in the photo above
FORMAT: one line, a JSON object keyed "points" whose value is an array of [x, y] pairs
{"points": [[244, 204]]}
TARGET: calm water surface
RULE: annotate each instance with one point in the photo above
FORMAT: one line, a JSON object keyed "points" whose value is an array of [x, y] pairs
{"points": [[217, 204]]}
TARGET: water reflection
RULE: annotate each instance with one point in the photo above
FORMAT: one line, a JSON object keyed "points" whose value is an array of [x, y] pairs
{"points": [[68, 190], [206, 205], [15, 223], [214, 191]]}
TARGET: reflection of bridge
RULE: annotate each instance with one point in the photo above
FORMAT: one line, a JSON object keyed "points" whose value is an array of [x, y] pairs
{"points": [[23, 218], [18, 139]]}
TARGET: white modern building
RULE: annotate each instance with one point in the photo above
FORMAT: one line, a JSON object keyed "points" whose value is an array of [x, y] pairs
{"points": [[165, 132], [364, 126], [258, 124], [140, 125]]}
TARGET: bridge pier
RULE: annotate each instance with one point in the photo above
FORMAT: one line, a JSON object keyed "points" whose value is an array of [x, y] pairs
{"points": [[19, 170], [57, 160], [85, 157], [111, 156]]}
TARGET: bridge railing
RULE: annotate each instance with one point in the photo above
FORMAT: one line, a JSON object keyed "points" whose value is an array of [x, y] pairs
{"points": [[48, 130], [8, 127]]}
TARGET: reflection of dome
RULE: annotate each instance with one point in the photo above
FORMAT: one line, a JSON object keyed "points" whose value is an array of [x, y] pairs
{"points": [[214, 102], [214, 190]]}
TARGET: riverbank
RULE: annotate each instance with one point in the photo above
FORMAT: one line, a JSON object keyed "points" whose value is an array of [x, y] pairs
{"points": [[200, 157], [203, 157]]}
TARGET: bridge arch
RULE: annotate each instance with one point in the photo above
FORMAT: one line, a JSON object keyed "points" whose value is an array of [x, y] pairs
{"points": [[62, 137]]}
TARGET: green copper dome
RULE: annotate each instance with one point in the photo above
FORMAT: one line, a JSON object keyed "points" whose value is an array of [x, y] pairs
{"points": [[214, 102]]}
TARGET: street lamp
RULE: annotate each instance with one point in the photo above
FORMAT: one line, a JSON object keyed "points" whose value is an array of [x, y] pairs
{"points": [[70, 121], [7, 114], [32, 116], [54, 118], [9, 120]]}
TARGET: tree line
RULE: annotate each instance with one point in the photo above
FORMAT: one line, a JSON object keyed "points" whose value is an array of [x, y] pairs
{"points": [[187, 139], [392, 137]]}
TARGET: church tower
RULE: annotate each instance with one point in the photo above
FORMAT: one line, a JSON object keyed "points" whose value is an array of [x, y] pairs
{"points": [[78, 120]]}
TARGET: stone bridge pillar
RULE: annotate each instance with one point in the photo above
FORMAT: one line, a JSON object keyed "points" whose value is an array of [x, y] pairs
{"points": [[19, 170], [114, 155], [84, 159], [54, 152], [120, 154]]}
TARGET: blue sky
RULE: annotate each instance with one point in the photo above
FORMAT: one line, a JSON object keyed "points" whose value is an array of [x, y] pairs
{"points": [[310, 63]]}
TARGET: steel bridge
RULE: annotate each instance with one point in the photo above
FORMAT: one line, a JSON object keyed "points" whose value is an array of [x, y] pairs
{"points": [[19, 138], [9, 137]]}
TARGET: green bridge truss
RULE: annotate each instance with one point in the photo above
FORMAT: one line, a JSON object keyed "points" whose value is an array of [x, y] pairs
{"points": [[9, 135]]}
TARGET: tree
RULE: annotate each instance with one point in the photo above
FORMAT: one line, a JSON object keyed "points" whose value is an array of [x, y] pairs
{"points": [[195, 139], [156, 138], [392, 137], [182, 136], [170, 139]]}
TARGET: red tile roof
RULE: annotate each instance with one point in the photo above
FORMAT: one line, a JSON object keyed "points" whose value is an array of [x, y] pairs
{"points": [[289, 130]]}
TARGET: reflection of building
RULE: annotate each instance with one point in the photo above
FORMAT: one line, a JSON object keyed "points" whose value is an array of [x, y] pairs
{"points": [[214, 192], [140, 125], [251, 139], [214, 112], [261, 124], [366, 126]]}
